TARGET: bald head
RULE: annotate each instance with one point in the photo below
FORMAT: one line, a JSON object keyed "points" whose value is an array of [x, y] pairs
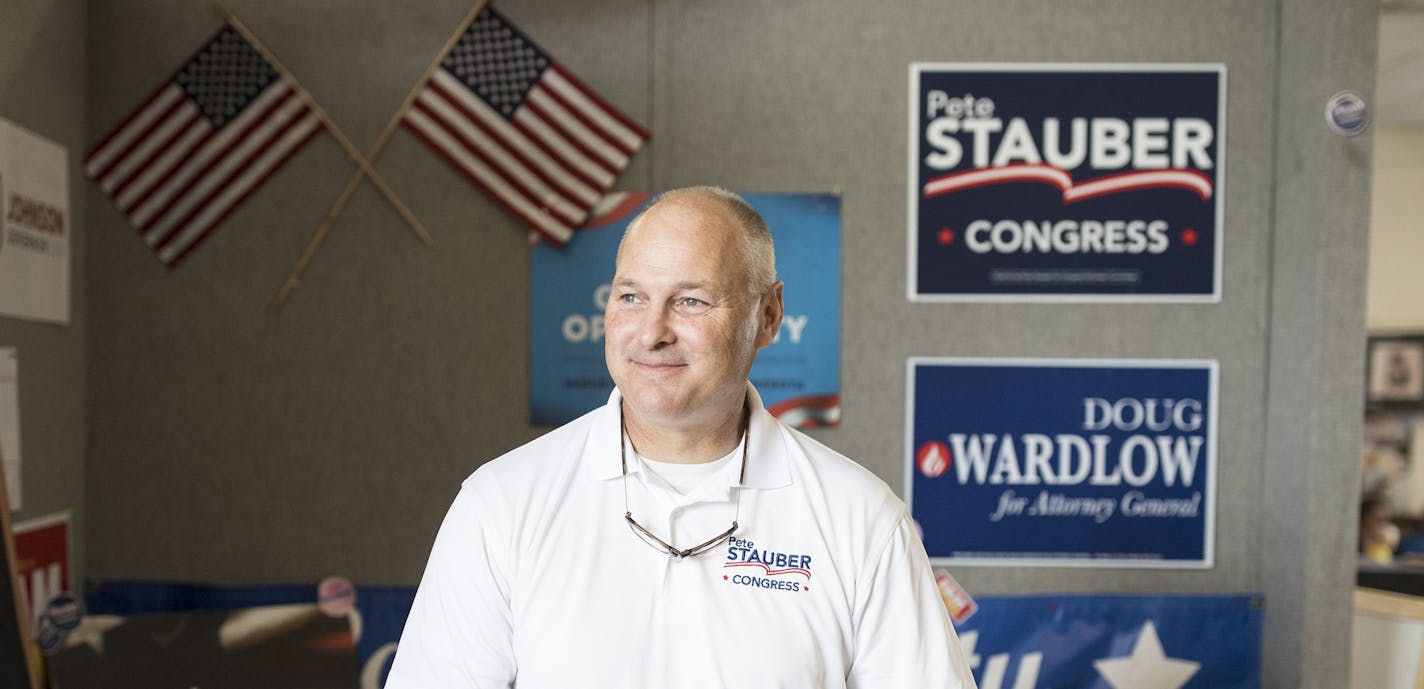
{"points": [[758, 253], [694, 297]]}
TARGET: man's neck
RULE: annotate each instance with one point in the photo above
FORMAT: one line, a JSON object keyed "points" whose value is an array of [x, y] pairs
{"points": [[685, 445]]}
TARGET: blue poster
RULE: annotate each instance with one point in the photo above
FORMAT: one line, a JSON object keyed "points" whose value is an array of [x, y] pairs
{"points": [[1115, 642], [798, 375], [1090, 183], [1062, 462]]}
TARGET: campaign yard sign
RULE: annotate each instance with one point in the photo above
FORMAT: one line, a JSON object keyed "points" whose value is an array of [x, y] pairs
{"points": [[797, 376], [1063, 182], [35, 227], [1063, 462], [42, 561]]}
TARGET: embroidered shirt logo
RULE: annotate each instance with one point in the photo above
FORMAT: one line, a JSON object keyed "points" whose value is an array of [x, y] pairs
{"points": [[748, 565]]}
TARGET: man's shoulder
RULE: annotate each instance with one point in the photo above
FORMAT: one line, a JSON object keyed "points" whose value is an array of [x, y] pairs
{"points": [[856, 508], [843, 479]]}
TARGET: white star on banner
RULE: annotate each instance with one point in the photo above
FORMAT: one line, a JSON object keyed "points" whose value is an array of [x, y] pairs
{"points": [[91, 632], [1148, 667]]}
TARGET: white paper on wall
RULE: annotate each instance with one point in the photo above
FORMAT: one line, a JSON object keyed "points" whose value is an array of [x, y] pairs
{"points": [[10, 422], [35, 226]]}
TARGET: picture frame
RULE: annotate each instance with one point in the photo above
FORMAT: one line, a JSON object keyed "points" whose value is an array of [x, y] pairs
{"points": [[1386, 625], [1394, 372]]}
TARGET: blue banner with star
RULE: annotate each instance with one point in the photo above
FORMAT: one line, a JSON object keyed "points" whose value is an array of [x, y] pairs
{"points": [[1093, 183], [1115, 642], [1011, 642]]}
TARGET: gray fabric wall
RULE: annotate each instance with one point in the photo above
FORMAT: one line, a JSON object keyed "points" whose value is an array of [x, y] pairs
{"points": [[229, 443], [42, 89]]}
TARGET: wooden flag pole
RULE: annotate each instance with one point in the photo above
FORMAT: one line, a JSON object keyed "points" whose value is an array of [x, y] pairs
{"points": [[295, 278], [355, 155]]}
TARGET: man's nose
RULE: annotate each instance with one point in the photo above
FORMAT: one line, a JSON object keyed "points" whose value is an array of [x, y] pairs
{"points": [[655, 328]]}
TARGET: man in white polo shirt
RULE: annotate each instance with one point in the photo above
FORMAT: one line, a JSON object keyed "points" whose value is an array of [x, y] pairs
{"points": [[680, 536]]}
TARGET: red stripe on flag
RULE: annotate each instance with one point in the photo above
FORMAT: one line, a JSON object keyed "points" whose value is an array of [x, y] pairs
{"points": [[578, 114], [173, 169], [217, 160], [513, 151], [492, 165], [282, 127], [158, 152], [602, 104], [572, 140], [114, 133], [559, 156], [178, 257], [449, 159], [140, 139]]}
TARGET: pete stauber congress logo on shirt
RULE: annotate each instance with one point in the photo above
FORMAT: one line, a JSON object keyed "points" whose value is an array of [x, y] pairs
{"points": [[748, 565]]}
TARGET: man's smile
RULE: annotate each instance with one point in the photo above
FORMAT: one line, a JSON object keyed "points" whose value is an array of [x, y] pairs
{"points": [[656, 366]]}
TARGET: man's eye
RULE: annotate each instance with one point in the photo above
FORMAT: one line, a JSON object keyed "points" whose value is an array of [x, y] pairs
{"points": [[628, 298], [689, 302]]}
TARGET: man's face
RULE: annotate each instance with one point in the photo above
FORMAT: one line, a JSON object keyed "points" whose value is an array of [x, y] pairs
{"points": [[682, 326]]}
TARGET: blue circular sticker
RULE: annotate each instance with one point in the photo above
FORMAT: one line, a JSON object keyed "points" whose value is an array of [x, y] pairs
{"points": [[48, 636], [64, 611], [60, 617], [1346, 113]]}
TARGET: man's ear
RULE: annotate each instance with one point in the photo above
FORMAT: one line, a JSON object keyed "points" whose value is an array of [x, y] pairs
{"points": [[769, 316]]}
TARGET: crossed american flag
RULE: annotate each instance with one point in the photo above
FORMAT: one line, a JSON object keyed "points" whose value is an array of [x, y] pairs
{"points": [[496, 107]]}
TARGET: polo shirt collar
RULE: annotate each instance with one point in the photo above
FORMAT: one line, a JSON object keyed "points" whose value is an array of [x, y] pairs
{"points": [[767, 462]]}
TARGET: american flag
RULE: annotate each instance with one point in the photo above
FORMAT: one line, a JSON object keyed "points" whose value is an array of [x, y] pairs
{"points": [[207, 139], [521, 127]]}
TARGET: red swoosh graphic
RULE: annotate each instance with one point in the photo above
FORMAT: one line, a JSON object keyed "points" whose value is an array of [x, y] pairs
{"points": [[615, 206], [771, 572], [809, 410], [1190, 180]]}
